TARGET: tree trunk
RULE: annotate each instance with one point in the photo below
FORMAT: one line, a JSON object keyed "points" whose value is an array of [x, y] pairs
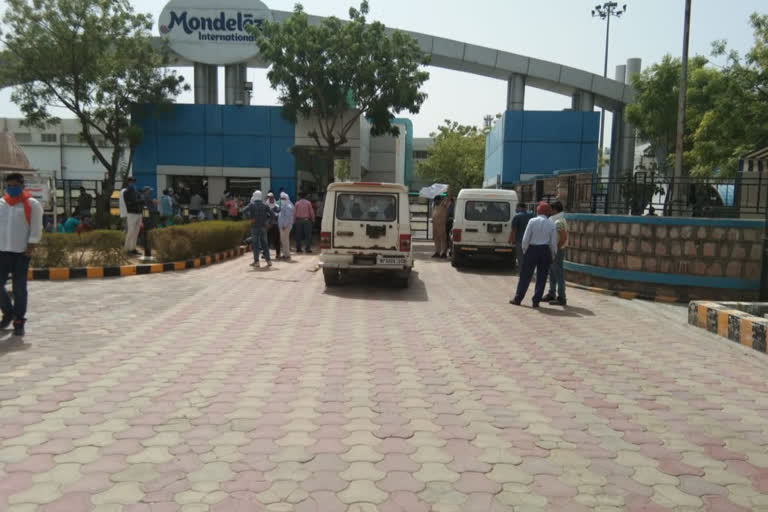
{"points": [[103, 202], [329, 169]]}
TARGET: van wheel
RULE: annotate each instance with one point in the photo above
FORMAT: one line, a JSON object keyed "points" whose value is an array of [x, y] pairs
{"points": [[332, 276]]}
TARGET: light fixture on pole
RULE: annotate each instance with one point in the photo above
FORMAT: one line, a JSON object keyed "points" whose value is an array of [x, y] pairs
{"points": [[605, 12]]}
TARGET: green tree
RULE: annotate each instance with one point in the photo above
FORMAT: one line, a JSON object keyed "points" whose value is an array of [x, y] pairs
{"points": [[735, 121], [726, 111], [456, 157], [334, 72], [94, 58]]}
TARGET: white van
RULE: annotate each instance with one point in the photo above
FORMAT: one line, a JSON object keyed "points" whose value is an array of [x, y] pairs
{"points": [[482, 225], [366, 227]]}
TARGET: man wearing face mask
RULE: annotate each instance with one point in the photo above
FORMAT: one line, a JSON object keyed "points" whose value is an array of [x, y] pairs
{"points": [[21, 228]]}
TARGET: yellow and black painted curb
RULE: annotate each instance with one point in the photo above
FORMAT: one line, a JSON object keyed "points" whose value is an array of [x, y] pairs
{"points": [[65, 273], [625, 294], [730, 320]]}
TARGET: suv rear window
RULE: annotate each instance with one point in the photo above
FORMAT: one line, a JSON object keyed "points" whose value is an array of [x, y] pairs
{"points": [[372, 207], [488, 211]]}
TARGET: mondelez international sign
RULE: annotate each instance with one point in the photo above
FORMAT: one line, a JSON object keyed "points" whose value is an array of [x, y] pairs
{"points": [[210, 32]]}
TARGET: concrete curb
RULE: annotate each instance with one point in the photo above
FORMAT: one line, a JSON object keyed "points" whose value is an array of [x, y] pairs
{"points": [[64, 273], [723, 319], [625, 294]]}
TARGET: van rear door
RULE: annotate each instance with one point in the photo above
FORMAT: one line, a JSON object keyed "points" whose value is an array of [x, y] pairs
{"points": [[366, 221], [487, 222]]}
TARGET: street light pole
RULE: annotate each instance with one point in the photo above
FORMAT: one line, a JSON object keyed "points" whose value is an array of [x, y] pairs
{"points": [[679, 194], [604, 12]]}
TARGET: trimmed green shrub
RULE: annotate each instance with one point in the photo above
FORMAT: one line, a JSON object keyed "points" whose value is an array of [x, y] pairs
{"points": [[94, 248], [179, 243]]}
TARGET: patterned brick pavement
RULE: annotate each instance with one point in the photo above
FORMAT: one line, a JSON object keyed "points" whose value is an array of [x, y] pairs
{"points": [[229, 390]]}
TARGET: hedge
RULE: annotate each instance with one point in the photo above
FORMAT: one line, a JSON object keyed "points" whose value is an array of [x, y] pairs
{"points": [[90, 249], [184, 242]]}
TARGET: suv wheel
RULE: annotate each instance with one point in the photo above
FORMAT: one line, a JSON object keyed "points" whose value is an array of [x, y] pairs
{"points": [[332, 276]]}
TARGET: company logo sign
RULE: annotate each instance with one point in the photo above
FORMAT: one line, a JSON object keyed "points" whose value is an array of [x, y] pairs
{"points": [[213, 34]]}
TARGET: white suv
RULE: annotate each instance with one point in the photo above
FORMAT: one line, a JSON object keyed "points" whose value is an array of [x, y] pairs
{"points": [[366, 227]]}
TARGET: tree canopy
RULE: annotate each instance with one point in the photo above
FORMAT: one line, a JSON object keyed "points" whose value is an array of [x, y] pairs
{"points": [[726, 110], [334, 71], [457, 156], [94, 58]]}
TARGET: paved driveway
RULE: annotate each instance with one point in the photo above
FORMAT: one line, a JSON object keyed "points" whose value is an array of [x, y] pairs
{"points": [[226, 389]]}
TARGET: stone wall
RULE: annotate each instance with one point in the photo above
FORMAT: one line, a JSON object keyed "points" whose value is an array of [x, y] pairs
{"points": [[677, 257]]}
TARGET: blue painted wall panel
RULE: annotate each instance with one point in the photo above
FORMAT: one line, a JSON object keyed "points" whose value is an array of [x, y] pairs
{"points": [[180, 150], [216, 136], [551, 126], [180, 119], [242, 120], [244, 151], [536, 142]]}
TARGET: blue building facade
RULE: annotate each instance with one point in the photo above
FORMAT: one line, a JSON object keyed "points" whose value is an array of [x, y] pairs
{"points": [[525, 144], [216, 143]]}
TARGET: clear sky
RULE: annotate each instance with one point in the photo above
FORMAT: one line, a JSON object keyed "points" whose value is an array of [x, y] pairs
{"points": [[562, 31]]}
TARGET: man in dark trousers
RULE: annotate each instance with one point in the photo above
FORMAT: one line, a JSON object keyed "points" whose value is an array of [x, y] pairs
{"points": [[539, 249], [21, 227], [519, 223]]}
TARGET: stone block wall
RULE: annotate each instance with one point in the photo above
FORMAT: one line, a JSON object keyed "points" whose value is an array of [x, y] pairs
{"points": [[730, 250]]}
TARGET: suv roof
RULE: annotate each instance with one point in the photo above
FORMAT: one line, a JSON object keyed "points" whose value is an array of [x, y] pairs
{"points": [[487, 193], [367, 185]]}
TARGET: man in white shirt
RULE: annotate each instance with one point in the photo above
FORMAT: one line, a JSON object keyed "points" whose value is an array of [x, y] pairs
{"points": [[539, 249], [21, 228], [556, 295]]}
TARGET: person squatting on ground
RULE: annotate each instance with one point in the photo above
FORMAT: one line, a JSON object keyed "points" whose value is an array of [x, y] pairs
{"points": [[21, 228], [285, 224], [556, 295], [539, 248], [260, 215]]}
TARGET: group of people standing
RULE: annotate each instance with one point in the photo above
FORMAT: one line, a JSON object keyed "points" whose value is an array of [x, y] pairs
{"points": [[541, 243], [272, 222]]}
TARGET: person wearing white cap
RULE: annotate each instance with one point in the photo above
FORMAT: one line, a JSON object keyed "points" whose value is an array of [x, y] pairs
{"points": [[285, 224], [260, 215]]}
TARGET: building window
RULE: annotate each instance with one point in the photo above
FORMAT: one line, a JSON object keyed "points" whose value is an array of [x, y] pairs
{"points": [[420, 155], [23, 138], [70, 138], [48, 137]]}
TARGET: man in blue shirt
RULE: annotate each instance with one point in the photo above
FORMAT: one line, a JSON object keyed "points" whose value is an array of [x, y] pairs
{"points": [[539, 249], [519, 223]]}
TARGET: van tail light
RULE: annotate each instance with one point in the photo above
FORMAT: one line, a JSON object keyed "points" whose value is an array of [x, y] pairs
{"points": [[456, 235], [325, 240], [405, 243]]}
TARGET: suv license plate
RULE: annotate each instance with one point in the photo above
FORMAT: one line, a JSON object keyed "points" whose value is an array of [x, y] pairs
{"points": [[392, 260]]}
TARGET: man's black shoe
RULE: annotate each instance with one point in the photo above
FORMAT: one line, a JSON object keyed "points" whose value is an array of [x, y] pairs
{"points": [[515, 302], [548, 297], [558, 302], [308, 251], [535, 304], [6, 321], [18, 328], [299, 250]]}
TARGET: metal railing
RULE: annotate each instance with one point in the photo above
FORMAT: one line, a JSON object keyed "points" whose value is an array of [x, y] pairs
{"points": [[651, 194]]}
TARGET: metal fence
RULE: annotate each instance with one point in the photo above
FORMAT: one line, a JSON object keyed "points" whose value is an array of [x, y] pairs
{"points": [[650, 194]]}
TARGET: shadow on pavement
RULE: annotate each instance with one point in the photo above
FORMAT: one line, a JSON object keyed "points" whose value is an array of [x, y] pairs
{"points": [[572, 311], [487, 267], [379, 287], [11, 343]]}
